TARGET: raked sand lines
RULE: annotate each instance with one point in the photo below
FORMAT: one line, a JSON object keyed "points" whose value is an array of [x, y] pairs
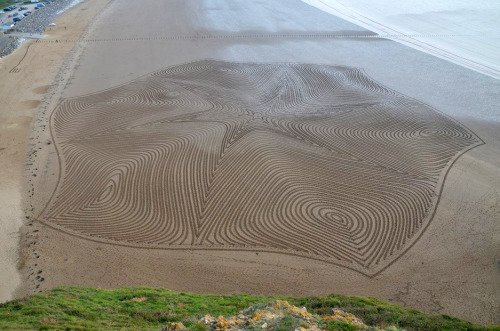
{"points": [[312, 160]]}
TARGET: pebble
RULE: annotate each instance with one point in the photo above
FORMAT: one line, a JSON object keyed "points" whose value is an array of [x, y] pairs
{"points": [[34, 23], [9, 46]]}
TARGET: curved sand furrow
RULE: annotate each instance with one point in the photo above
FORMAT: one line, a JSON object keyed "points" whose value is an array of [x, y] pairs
{"points": [[306, 159]]}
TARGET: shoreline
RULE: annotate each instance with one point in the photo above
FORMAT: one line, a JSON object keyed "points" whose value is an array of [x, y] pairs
{"points": [[453, 44]]}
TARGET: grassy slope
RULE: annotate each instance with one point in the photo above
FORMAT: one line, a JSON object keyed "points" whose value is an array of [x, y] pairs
{"points": [[86, 308]]}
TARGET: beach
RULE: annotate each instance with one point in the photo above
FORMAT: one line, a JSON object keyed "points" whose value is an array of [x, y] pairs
{"points": [[190, 146], [27, 75]]}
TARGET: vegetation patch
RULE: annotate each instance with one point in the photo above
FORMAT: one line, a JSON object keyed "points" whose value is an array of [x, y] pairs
{"points": [[153, 308]]}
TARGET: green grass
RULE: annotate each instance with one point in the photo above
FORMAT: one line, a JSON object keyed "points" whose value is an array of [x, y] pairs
{"points": [[289, 323], [335, 325], [89, 309]]}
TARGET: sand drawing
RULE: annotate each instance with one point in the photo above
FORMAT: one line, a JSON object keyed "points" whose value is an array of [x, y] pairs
{"points": [[313, 160]]}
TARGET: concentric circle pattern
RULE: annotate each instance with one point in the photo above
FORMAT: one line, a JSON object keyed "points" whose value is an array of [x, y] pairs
{"points": [[312, 160]]}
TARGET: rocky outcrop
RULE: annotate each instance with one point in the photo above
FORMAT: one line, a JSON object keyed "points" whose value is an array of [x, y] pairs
{"points": [[8, 45], [277, 315]]}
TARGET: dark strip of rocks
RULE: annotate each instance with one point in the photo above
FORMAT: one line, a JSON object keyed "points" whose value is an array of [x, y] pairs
{"points": [[39, 19], [8, 44]]}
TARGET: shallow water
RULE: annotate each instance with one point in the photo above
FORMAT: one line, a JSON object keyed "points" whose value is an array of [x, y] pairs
{"points": [[463, 31]]}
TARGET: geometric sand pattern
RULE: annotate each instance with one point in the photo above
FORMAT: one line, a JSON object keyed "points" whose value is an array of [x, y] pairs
{"points": [[311, 160]]}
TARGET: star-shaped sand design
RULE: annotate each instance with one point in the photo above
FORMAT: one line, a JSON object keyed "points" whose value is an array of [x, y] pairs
{"points": [[312, 160]]}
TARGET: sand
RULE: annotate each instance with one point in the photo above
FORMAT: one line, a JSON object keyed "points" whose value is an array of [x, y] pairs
{"points": [[26, 75], [454, 273], [86, 165], [317, 161]]}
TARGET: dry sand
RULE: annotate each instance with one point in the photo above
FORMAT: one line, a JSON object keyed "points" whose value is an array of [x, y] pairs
{"points": [[27, 75], [452, 268]]}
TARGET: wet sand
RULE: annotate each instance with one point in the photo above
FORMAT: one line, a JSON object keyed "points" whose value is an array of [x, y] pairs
{"points": [[450, 270], [307, 160], [447, 267]]}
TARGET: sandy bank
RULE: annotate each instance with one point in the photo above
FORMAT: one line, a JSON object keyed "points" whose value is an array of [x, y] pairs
{"points": [[27, 75]]}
